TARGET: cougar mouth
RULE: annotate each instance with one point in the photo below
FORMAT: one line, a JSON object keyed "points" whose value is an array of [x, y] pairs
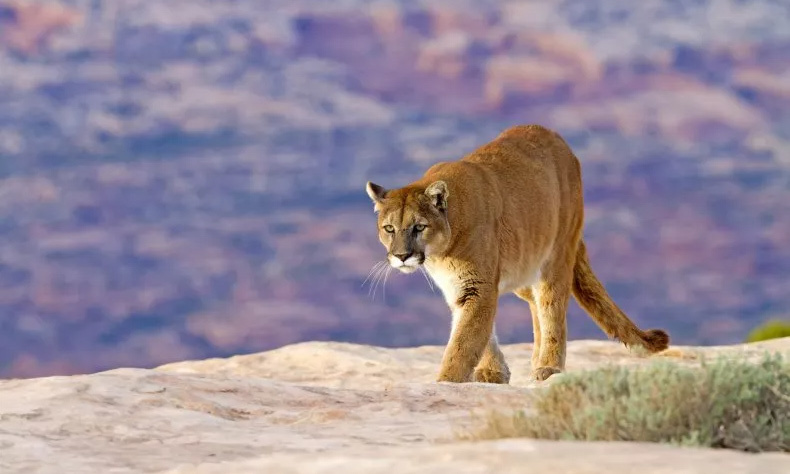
{"points": [[409, 265]]}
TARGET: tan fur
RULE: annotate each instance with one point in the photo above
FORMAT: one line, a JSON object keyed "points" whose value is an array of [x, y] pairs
{"points": [[506, 218]]}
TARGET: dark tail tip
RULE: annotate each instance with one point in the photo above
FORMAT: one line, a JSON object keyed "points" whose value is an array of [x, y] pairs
{"points": [[656, 340]]}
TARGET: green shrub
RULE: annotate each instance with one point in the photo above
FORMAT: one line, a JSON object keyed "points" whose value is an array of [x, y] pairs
{"points": [[773, 329], [725, 404]]}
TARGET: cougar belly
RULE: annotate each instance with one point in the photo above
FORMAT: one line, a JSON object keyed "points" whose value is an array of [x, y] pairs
{"points": [[523, 273], [509, 283]]}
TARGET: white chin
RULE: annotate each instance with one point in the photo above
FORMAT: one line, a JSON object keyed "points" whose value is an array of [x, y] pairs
{"points": [[407, 269]]}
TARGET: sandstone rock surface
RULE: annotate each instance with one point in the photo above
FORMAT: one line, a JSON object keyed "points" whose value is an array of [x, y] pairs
{"points": [[320, 408]]}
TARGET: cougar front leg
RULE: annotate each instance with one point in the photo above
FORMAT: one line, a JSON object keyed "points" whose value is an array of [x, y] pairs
{"points": [[473, 322]]}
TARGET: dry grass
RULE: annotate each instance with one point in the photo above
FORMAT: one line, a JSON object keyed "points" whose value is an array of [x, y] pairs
{"points": [[724, 404]]}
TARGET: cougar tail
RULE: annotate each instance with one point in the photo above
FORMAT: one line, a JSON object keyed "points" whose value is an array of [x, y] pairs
{"points": [[592, 296]]}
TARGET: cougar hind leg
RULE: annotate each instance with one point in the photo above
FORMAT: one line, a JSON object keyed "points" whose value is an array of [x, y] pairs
{"points": [[526, 295], [551, 294]]}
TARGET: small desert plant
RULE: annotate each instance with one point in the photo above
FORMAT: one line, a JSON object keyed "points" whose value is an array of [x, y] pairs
{"points": [[725, 404], [773, 329]]}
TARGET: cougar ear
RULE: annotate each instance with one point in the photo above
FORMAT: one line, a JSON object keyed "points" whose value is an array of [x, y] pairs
{"points": [[438, 193], [375, 192]]}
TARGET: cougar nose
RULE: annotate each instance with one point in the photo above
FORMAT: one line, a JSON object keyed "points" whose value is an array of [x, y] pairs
{"points": [[402, 256]]}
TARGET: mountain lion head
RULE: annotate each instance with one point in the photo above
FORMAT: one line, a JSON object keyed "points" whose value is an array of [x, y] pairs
{"points": [[412, 222]]}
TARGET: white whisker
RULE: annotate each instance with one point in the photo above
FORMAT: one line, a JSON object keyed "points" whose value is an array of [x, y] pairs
{"points": [[374, 282], [427, 278], [372, 270], [384, 286], [377, 280]]}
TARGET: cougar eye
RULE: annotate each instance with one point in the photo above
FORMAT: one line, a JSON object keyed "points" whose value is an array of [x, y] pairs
{"points": [[389, 228], [419, 227]]}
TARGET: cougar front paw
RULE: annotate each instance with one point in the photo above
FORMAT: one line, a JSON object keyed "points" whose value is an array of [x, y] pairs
{"points": [[453, 376], [491, 376]]}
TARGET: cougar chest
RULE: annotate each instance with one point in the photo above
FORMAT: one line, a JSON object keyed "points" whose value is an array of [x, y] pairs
{"points": [[446, 279]]}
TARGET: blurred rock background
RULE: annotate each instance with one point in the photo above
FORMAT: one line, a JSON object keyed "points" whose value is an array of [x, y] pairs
{"points": [[185, 178]]}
